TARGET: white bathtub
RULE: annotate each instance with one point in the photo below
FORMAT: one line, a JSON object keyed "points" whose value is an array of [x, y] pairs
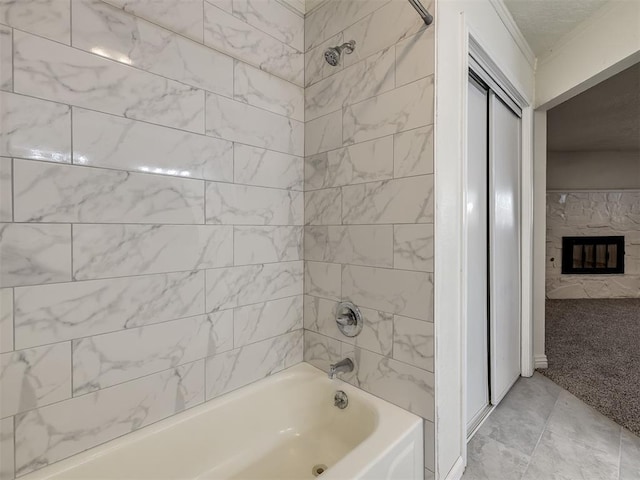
{"points": [[277, 428]]}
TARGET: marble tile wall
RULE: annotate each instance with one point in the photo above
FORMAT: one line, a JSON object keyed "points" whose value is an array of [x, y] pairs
{"points": [[369, 207], [593, 213], [151, 209]]}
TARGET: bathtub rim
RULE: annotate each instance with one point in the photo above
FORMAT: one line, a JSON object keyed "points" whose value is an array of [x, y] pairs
{"points": [[358, 460]]}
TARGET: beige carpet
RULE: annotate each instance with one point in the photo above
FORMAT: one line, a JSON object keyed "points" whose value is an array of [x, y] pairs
{"points": [[593, 348]]}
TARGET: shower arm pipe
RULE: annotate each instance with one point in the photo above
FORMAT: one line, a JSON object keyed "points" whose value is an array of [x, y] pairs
{"points": [[423, 12]]}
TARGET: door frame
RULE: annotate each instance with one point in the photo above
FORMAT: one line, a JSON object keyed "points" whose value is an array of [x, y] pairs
{"points": [[452, 244]]}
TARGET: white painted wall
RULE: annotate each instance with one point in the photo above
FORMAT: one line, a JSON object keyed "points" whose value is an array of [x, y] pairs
{"points": [[603, 45], [593, 170], [455, 20]]}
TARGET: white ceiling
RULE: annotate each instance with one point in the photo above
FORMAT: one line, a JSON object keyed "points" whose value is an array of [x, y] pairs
{"points": [[604, 118], [544, 22]]}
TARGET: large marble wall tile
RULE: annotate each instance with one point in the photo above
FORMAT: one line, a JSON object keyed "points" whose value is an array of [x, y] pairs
{"points": [[273, 18], [383, 28], [112, 358], [7, 470], [413, 152], [401, 109], [376, 334], [321, 351], [64, 311], [56, 72], [58, 431], [365, 79], [592, 286], [333, 17], [103, 250], [323, 207], [246, 124], [46, 18], [182, 16], [260, 321], [253, 245], [34, 254], [35, 377], [109, 141], [246, 205], [49, 192], [404, 200], [6, 319], [6, 190], [315, 66], [323, 280], [413, 247], [6, 58], [266, 168], [404, 385], [359, 245], [323, 133], [230, 35], [415, 57], [264, 90], [363, 162], [393, 291], [35, 129], [413, 342], [239, 286], [109, 32], [237, 368]]}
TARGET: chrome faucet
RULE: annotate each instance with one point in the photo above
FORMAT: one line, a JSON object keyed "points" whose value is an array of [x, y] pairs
{"points": [[345, 366]]}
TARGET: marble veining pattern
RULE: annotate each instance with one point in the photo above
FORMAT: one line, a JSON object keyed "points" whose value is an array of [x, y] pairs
{"points": [[266, 168], [226, 286], [260, 321], [243, 123], [6, 192], [105, 360], [65, 193], [113, 142], [64, 311], [109, 32], [252, 245], [6, 320], [35, 129], [413, 152], [181, 16], [236, 368], [323, 207], [46, 18], [103, 250], [6, 58], [245, 42], [323, 133], [34, 254], [56, 72], [51, 433], [322, 280], [34, 377], [246, 205], [360, 163], [127, 127]]}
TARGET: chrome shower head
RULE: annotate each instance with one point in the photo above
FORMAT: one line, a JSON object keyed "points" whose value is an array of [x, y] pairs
{"points": [[332, 54]]}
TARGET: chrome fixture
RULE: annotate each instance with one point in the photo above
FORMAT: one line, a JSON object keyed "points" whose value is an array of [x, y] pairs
{"points": [[343, 366], [349, 319], [332, 54], [341, 400], [423, 12]]}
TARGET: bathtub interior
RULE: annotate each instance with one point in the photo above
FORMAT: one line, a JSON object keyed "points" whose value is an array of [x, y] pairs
{"points": [[277, 428]]}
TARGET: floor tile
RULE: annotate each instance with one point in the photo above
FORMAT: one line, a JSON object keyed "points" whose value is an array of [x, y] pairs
{"points": [[629, 456], [488, 459]]}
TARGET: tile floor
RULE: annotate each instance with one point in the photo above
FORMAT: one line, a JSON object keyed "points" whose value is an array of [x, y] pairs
{"points": [[542, 432]]}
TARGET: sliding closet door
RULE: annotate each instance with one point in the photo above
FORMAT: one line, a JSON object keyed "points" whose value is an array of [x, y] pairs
{"points": [[504, 208], [477, 283]]}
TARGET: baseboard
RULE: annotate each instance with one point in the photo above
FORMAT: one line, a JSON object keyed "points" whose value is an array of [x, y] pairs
{"points": [[540, 361], [456, 471]]}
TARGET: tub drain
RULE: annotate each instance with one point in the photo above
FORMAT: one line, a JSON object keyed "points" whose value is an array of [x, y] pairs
{"points": [[318, 470]]}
